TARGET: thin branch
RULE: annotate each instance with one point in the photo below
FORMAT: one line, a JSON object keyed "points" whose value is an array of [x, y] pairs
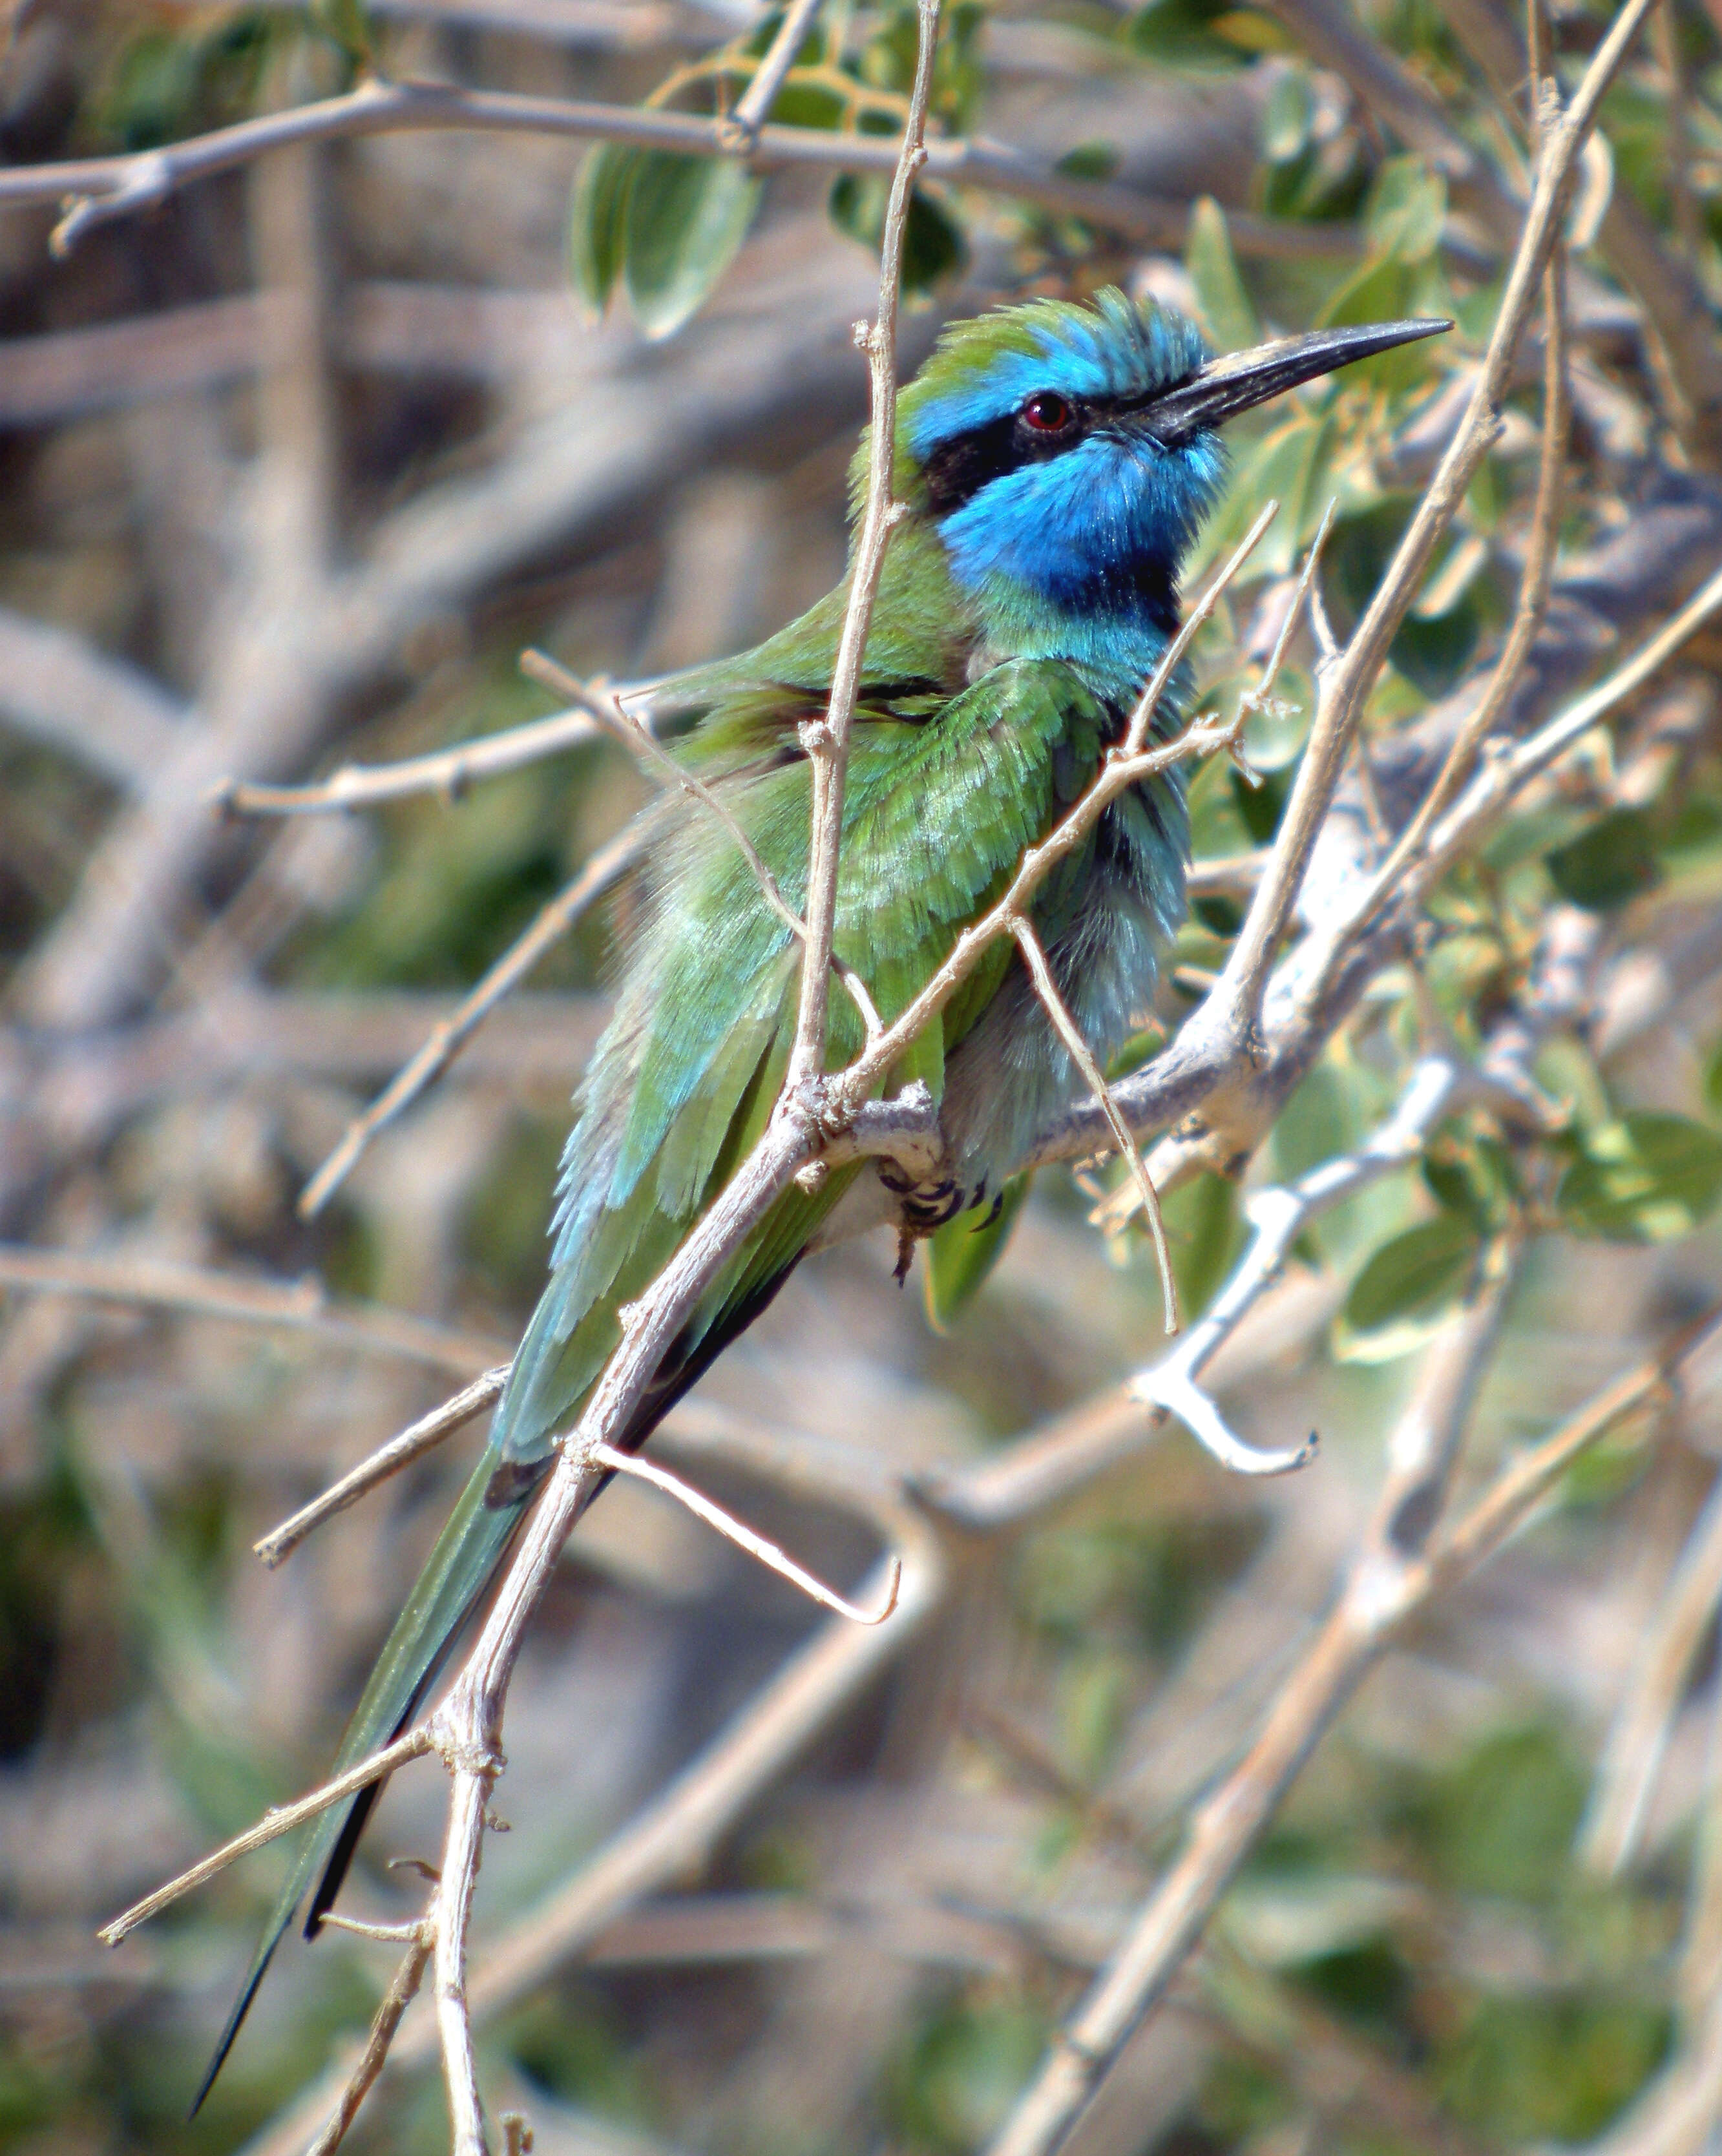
{"points": [[605, 866], [102, 188], [1149, 702], [1651, 1697], [278, 1820], [1343, 688], [826, 743], [415, 1440], [1533, 590], [1070, 1034], [1506, 775], [1279, 1217], [402, 1988], [612, 715], [474, 1775], [449, 772], [1400, 1568], [741, 128], [302, 1305], [756, 1545]]}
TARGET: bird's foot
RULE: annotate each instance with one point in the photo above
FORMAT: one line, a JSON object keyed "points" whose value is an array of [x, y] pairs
{"points": [[922, 1208]]}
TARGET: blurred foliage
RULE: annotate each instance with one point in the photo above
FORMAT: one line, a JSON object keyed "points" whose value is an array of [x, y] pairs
{"points": [[1421, 1901]]}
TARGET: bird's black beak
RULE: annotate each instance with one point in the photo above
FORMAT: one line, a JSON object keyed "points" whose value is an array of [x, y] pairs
{"points": [[1231, 384]]}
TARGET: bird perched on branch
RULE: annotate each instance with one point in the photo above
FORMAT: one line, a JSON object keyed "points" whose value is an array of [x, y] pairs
{"points": [[1054, 459]]}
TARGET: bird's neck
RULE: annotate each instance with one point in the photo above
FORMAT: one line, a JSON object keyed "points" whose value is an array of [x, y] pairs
{"points": [[1112, 627]]}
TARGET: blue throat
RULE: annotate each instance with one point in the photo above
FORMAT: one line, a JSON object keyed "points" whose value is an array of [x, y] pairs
{"points": [[1077, 558]]}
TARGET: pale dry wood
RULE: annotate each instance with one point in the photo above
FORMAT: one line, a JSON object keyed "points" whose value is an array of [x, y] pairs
{"points": [[1070, 1034], [826, 742], [605, 867], [448, 772], [1278, 1217], [1402, 1565], [281, 1820], [102, 188], [1344, 686], [740, 129], [413, 1443], [756, 1545], [302, 1305], [1613, 1834], [402, 1988], [611, 713]]}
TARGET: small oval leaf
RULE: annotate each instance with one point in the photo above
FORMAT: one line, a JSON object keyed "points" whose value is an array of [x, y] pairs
{"points": [[1647, 1178], [1609, 864], [683, 218], [595, 215], [1227, 314], [1426, 1266]]}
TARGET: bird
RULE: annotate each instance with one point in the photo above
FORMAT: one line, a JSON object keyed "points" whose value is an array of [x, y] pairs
{"points": [[1055, 458]]}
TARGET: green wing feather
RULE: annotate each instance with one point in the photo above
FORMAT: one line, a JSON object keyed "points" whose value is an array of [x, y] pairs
{"points": [[937, 814]]}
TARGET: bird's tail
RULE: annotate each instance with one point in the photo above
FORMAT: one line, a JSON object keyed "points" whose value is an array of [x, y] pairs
{"points": [[460, 1568]]}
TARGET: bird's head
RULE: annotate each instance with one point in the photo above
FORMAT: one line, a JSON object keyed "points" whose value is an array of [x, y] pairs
{"points": [[1066, 451]]}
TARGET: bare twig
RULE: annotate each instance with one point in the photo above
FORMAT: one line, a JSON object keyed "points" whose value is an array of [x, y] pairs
{"points": [[612, 715], [280, 1819], [756, 1545], [1343, 687], [413, 1442], [608, 863], [1651, 1697], [1154, 693], [402, 1988], [753, 106], [1070, 1034], [1279, 1217], [449, 772], [826, 743], [1528, 615], [1401, 1568], [302, 1305], [674, 1834], [474, 1774], [102, 188]]}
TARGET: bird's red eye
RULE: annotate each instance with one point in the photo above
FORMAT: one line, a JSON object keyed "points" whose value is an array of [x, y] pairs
{"points": [[1047, 412]]}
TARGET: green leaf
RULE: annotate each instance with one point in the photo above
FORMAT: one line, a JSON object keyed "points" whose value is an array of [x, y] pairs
{"points": [[595, 222], [1407, 208], [1089, 160], [1416, 1272], [1611, 863], [1647, 1178], [801, 103], [958, 1257], [1274, 736], [684, 219], [344, 21], [933, 245], [1289, 118], [1226, 312], [1713, 1077], [1181, 33], [1206, 1233]]}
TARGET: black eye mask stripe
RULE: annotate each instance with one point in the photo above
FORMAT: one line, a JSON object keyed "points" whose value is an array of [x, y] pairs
{"points": [[958, 468]]}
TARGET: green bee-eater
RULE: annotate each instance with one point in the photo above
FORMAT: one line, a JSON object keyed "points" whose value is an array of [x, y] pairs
{"points": [[1056, 459]]}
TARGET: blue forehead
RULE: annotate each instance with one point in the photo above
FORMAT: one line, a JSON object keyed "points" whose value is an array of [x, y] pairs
{"points": [[1109, 347]]}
